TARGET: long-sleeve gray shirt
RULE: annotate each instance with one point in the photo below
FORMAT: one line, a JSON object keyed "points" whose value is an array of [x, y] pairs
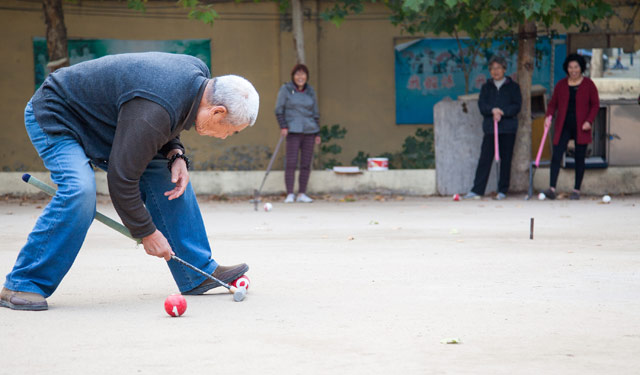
{"points": [[298, 110]]}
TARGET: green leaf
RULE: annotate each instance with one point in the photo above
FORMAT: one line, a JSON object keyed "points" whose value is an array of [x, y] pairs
{"points": [[412, 5], [451, 3], [188, 3], [199, 12], [536, 7], [136, 5]]}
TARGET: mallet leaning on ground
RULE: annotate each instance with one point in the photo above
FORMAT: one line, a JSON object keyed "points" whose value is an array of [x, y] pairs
{"points": [[238, 293], [256, 193]]}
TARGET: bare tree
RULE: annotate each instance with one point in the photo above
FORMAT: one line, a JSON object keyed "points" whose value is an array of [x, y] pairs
{"points": [[527, 34], [56, 34], [57, 31], [298, 31]]}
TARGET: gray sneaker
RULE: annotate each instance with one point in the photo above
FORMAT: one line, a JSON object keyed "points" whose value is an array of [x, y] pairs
{"points": [[304, 198], [471, 195], [22, 300], [500, 196]]}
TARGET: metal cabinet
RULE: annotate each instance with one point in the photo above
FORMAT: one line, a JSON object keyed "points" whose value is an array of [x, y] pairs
{"points": [[623, 146], [616, 137]]}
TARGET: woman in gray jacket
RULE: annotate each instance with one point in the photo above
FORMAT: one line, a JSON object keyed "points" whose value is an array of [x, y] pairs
{"points": [[299, 120]]}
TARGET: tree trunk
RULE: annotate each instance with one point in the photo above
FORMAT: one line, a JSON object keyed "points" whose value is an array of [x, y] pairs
{"points": [[466, 81], [596, 63], [466, 69], [298, 32], [56, 34], [527, 33]]}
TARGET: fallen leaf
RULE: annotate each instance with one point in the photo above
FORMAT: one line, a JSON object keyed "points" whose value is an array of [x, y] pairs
{"points": [[451, 341]]}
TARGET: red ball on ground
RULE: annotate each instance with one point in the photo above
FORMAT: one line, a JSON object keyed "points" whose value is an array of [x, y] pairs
{"points": [[175, 305], [456, 197], [241, 282]]}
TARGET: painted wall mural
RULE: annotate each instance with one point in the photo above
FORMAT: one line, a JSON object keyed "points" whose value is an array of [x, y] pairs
{"points": [[88, 49], [428, 70]]}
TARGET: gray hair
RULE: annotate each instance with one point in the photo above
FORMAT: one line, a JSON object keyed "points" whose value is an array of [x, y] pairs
{"points": [[238, 96], [498, 60]]}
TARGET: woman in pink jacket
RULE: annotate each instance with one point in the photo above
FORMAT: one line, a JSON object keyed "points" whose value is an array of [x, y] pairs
{"points": [[575, 98]]}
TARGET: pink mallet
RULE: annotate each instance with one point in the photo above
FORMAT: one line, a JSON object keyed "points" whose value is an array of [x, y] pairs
{"points": [[544, 138]]}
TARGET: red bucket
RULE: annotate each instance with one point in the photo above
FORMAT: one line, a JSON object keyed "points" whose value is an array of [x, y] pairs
{"points": [[378, 164]]}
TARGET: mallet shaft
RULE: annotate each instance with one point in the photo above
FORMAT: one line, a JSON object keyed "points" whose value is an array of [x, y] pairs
{"points": [[99, 216], [120, 228], [198, 270], [256, 192]]}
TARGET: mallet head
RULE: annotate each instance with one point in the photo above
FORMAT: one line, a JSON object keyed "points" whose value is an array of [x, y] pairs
{"points": [[239, 294]]}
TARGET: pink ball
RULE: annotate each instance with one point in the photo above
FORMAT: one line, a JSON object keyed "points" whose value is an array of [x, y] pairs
{"points": [[175, 305], [456, 197], [241, 282]]}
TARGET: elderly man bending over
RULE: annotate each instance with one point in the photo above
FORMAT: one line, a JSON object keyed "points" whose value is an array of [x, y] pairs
{"points": [[124, 114]]}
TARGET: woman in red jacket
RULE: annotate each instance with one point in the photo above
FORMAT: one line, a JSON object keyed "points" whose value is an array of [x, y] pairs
{"points": [[576, 100]]}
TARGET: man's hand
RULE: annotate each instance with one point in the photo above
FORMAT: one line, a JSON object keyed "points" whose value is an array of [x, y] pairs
{"points": [[157, 245], [179, 176], [318, 139], [586, 126], [284, 132]]}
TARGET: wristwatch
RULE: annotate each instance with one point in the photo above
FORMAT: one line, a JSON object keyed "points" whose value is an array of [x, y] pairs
{"points": [[178, 156]]}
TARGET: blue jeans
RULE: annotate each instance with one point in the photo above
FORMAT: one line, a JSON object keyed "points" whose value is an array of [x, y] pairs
{"points": [[57, 237]]}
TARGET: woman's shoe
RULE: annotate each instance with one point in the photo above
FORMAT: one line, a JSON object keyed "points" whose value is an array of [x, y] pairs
{"points": [[290, 198], [500, 196], [551, 194], [575, 195], [302, 197]]}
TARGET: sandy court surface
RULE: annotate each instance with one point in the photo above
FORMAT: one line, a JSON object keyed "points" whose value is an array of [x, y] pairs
{"points": [[363, 287]]}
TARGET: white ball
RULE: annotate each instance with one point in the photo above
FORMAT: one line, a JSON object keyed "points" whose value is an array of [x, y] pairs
{"points": [[606, 199], [268, 206], [541, 196]]}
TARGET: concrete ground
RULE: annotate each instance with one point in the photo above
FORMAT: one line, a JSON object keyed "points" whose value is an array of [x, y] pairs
{"points": [[364, 287]]}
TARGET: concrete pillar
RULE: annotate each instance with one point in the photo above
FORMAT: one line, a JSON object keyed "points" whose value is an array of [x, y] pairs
{"points": [[458, 137], [596, 63]]}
